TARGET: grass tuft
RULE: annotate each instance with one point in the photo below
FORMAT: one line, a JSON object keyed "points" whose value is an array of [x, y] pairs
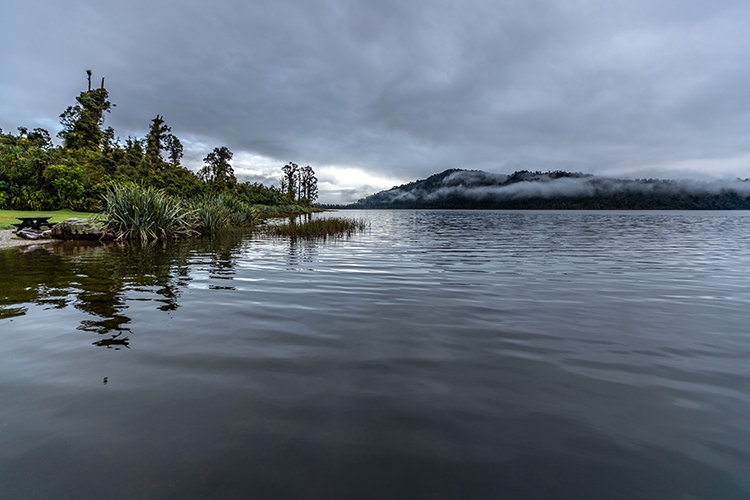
{"points": [[319, 228]]}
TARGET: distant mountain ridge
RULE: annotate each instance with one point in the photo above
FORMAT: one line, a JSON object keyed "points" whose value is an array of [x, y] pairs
{"points": [[476, 189]]}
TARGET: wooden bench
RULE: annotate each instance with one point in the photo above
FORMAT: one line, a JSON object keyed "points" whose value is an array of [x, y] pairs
{"points": [[34, 223]]}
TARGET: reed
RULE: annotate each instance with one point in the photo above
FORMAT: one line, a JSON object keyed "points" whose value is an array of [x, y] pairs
{"points": [[319, 228], [145, 213]]}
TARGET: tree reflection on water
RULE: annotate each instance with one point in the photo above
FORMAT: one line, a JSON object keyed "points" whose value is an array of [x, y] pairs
{"points": [[101, 279]]}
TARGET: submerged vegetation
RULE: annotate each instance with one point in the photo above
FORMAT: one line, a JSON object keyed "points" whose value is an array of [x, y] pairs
{"points": [[319, 228]]}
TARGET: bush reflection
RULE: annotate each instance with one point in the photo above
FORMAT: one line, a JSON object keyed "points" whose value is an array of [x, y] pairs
{"points": [[101, 279]]}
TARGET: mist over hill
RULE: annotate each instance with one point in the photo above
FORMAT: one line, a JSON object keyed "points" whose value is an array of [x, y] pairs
{"points": [[475, 189]]}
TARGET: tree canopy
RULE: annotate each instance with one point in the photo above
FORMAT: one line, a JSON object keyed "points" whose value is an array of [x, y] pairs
{"points": [[35, 174]]}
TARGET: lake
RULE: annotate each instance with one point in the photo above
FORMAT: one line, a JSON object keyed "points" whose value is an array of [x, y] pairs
{"points": [[440, 354]]}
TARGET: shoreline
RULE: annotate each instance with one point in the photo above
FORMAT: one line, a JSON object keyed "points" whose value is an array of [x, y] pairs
{"points": [[8, 240]]}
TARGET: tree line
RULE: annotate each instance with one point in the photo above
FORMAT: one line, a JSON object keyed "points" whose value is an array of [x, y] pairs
{"points": [[299, 183], [35, 174], [476, 190]]}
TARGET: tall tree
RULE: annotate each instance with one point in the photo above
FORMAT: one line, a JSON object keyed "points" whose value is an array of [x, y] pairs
{"points": [[282, 184], [218, 171], [291, 174], [174, 150], [82, 122], [155, 142], [308, 185], [160, 143]]}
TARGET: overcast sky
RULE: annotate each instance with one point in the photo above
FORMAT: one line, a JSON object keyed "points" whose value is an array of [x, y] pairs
{"points": [[377, 93]]}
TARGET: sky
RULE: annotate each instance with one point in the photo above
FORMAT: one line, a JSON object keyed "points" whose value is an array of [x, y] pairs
{"points": [[376, 94]]}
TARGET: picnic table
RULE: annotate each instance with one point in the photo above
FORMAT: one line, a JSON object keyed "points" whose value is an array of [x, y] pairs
{"points": [[34, 223]]}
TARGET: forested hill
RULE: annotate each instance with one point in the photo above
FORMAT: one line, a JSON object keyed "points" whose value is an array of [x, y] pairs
{"points": [[475, 189]]}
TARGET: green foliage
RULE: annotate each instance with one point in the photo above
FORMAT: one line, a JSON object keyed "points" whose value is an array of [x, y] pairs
{"points": [[308, 190], [215, 212], [299, 184], [240, 213], [160, 142], [32, 199], [289, 180], [155, 143], [132, 153], [81, 122], [211, 215], [67, 181], [147, 213], [258, 194], [174, 149], [23, 159], [37, 175], [218, 171], [179, 182], [266, 211]]}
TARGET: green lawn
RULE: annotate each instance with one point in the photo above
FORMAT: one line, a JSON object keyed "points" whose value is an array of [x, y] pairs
{"points": [[10, 217]]}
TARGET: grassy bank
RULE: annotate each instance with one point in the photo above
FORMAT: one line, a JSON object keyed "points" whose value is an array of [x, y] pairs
{"points": [[146, 213], [10, 217]]}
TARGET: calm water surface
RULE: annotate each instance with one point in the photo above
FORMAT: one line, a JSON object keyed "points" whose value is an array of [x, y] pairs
{"points": [[442, 354]]}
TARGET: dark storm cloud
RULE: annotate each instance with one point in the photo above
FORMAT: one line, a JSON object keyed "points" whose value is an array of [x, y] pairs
{"points": [[404, 89]]}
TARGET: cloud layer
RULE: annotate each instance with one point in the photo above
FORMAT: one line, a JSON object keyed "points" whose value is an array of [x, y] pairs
{"points": [[390, 91]]}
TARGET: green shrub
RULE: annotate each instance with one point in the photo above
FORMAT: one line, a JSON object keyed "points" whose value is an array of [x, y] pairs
{"points": [[210, 215], [67, 181], [33, 199], [146, 213], [240, 213], [219, 211]]}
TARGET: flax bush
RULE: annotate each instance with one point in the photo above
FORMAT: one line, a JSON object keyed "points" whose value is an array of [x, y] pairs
{"points": [[218, 211], [144, 213]]}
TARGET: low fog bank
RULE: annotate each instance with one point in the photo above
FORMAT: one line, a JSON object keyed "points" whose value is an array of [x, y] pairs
{"points": [[478, 189]]}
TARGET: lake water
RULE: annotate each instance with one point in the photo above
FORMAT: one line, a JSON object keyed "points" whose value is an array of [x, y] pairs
{"points": [[441, 354]]}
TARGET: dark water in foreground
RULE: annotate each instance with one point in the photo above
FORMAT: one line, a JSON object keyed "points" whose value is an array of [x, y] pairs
{"points": [[520, 355]]}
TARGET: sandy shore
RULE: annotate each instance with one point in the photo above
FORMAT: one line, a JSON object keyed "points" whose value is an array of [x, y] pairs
{"points": [[8, 239]]}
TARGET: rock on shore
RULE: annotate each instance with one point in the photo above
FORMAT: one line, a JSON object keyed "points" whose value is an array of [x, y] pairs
{"points": [[82, 229]]}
